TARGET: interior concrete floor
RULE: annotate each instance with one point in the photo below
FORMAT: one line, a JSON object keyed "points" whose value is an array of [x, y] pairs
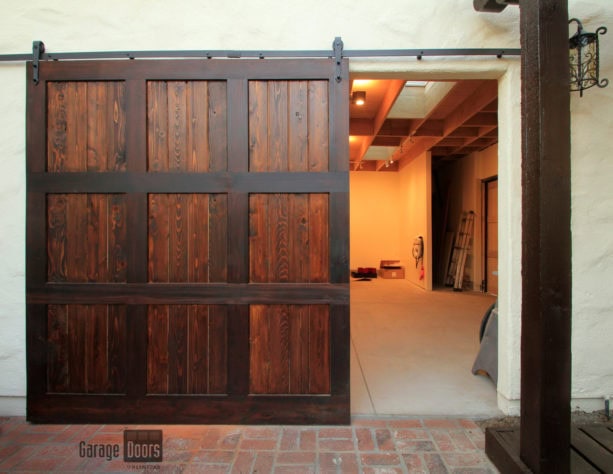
{"points": [[413, 350]]}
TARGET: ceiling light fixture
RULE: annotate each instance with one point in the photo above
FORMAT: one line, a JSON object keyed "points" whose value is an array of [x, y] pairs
{"points": [[358, 97]]}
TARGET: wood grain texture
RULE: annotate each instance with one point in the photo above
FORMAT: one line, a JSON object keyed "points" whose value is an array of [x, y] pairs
{"points": [[187, 126], [187, 238], [288, 238], [289, 349], [288, 126], [87, 238], [187, 349], [87, 350], [86, 126]]}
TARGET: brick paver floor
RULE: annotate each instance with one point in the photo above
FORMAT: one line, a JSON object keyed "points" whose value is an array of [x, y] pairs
{"points": [[369, 445]]}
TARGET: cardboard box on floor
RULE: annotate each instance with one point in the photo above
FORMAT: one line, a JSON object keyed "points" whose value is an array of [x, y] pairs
{"points": [[391, 269]]}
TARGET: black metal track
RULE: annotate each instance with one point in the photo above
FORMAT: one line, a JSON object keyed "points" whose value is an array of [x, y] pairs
{"points": [[208, 54]]}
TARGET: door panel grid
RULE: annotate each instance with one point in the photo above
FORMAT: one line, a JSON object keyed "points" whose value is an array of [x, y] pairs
{"points": [[188, 262]]}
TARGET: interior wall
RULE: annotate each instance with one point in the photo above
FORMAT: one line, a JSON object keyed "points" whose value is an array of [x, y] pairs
{"points": [[416, 211], [463, 179], [374, 218]]}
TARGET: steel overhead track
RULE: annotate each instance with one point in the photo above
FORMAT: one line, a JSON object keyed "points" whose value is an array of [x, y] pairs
{"points": [[260, 54]]}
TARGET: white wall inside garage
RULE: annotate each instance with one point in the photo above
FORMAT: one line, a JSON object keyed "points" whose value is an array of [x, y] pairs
{"points": [[70, 25]]}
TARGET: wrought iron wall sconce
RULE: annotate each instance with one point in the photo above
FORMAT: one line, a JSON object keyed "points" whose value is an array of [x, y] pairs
{"points": [[584, 59], [584, 54]]}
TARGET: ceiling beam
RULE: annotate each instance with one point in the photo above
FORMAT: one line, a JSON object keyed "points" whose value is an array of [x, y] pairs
{"points": [[480, 98], [395, 128], [361, 126], [391, 94], [386, 141]]}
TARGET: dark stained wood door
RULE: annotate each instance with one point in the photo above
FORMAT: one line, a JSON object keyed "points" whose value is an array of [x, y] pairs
{"points": [[187, 226]]}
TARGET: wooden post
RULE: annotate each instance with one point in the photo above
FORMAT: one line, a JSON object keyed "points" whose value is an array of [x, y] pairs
{"points": [[546, 246]]}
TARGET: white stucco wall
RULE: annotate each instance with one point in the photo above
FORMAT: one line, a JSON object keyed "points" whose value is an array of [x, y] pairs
{"points": [[70, 25]]}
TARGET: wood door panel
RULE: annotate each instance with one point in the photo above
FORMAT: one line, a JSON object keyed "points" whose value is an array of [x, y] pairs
{"points": [[86, 238], [288, 238], [187, 349], [87, 349], [288, 126], [188, 239], [86, 123], [289, 349], [187, 126]]}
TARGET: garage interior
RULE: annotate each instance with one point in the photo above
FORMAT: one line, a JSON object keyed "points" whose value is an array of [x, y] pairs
{"points": [[422, 155]]}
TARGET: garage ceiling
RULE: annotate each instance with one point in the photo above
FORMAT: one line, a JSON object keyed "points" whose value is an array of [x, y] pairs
{"points": [[401, 120]]}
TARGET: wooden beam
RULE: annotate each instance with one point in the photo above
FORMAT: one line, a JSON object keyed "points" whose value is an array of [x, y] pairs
{"points": [[430, 128], [471, 106], [386, 141], [482, 119], [391, 94], [546, 237], [361, 126], [395, 128]]}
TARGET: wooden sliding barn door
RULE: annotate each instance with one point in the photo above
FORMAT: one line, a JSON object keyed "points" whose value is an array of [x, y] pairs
{"points": [[187, 253]]}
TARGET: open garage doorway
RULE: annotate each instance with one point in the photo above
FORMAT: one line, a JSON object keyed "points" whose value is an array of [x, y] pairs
{"points": [[419, 152]]}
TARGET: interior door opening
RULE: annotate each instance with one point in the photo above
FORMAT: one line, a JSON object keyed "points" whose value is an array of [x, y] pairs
{"points": [[418, 153]]}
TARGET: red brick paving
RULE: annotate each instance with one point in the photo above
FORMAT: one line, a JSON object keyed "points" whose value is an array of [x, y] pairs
{"points": [[369, 445]]}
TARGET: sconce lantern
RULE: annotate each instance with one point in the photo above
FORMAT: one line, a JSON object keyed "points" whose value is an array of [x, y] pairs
{"points": [[584, 58], [358, 97]]}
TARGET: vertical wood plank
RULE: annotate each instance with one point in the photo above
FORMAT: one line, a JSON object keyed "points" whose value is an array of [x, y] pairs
{"points": [[259, 347], [339, 237], [77, 349], [158, 237], [278, 349], [298, 126], [318, 119], [319, 349], [318, 238], [76, 244], [218, 349], [157, 349], [277, 126], [177, 349], [299, 328], [137, 361], [117, 348], [177, 126], [237, 128], [258, 238], [218, 237], [56, 126], [135, 129], [218, 126], [56, 237], [76, 127], [258, 126], [117, 246], [97, 343], [97, 238], [198, 226], [340, 353], [278, 242], [116, 113], [198, 349], [157, 119], [238, 349], [97, 126], [198, 126], [57, 349], [298, 237], [177, 241]]}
